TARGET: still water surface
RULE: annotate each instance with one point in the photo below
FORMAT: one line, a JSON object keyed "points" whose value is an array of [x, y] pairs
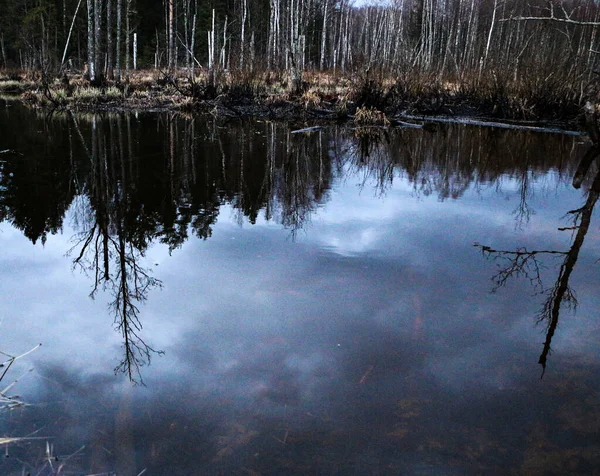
{"points": [[231, 298]]}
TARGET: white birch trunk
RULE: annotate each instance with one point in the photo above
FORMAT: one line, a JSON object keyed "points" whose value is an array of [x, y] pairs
{"points": [[62, 61], [212, 40], [324, 35], [242, 35], [489, 38], [223, 62], [192, 46]]}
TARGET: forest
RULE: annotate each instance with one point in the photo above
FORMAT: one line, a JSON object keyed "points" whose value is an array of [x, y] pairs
{"points": [[541, 54]]}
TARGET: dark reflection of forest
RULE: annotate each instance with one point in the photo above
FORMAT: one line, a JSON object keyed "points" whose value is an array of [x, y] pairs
{"points": [[131, 181]]}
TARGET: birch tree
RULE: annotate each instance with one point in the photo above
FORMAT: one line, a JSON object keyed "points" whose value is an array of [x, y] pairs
{"points": [[91, 44]]}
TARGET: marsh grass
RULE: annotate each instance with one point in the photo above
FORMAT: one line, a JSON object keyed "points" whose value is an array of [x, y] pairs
{"points": [[87, 94], [15, 86], [539, 95], [15, 82]]}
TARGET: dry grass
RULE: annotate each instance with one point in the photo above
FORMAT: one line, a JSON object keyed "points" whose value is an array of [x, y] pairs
{"points": [[10, 402], [87, 93], [369, 116], [15, 86], [492, 93]]}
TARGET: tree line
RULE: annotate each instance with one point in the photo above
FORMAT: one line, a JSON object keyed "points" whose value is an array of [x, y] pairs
{"points": [[450, 38]]}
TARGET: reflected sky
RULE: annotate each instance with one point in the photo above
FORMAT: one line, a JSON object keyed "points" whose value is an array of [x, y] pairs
{"points": [[368, 342]]}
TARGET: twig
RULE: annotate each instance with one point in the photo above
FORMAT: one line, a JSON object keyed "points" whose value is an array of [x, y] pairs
{"points": [[13, 358]]}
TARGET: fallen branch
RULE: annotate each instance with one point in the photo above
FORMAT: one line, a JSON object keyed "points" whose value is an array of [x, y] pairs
{"points": [[308, 130], [554, 19]]}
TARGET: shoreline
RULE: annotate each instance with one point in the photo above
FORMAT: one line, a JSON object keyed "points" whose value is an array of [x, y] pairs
{"points": [[323, 99]]}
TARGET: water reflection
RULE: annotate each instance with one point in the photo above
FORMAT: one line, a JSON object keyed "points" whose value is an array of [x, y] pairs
{"points": [[525, 264], [349, 330], [173, 174], [110, 237], [131, 181]]}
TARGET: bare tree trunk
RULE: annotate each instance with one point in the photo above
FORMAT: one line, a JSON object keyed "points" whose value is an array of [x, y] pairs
{"points": [[472, 36], [271, 40], [324, 35], [277, 45], [591, 59], [339, 40], [489, 39], [211, 43], [347, 40], [209, 52], [171, 34], [118, 50], [127, 36], [223, 62], [192, 74], [109, 40], [91, 49], [3, 50], [252, 52], [62, 62], [97, 35], [43, 45], [186, 32], [242, 35], [64, 18]]}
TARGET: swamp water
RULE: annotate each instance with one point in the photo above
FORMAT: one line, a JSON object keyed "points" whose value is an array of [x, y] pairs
{"points": [[341, 302]]}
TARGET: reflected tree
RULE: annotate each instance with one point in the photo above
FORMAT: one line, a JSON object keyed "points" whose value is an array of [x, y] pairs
{"points": [[109, 252], [304, 179], [448, 160], [369, 153], [523, 263], [523, 211]]}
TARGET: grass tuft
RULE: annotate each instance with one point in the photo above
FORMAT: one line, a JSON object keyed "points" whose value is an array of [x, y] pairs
{"points": [[87, 93], [369, 116]]}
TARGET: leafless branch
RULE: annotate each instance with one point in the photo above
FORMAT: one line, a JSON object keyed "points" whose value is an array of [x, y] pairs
{"points": [[553, 19]]}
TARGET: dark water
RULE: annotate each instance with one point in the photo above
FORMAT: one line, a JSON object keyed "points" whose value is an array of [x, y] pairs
{"points": [[333, 303]]}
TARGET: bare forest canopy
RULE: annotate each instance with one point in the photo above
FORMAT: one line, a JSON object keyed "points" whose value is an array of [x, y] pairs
{"points": [[510, 40]]}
